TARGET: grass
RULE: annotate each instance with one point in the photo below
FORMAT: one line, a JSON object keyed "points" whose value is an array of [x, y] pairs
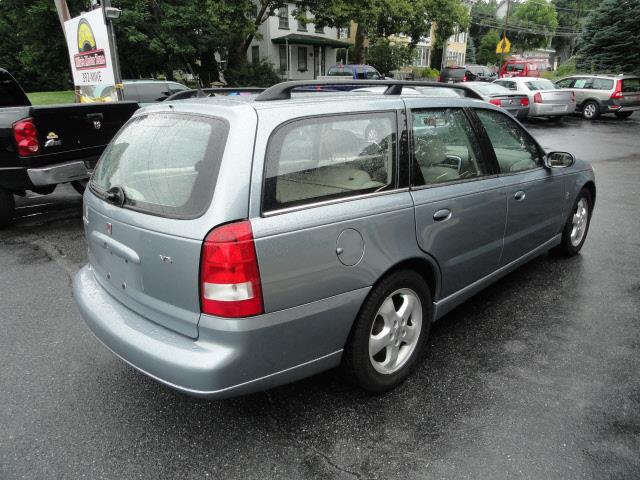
{"points": [[50, 98]]}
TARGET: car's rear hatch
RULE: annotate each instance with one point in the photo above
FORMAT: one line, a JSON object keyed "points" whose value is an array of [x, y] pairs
{"points": [[148, 211], [630, 88]]}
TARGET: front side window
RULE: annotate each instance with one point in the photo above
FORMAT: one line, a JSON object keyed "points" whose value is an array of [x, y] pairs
{"points": [[302, 59], [515, 150], [165, 164], [445, 148], [283, 17], [326, 158]]}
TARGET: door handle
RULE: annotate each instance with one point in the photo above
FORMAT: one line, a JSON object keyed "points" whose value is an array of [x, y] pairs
{"points": [[519, 196], [442, 215]]}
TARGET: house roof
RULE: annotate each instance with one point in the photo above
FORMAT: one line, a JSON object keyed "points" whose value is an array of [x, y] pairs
{"points": [[299, 39]]}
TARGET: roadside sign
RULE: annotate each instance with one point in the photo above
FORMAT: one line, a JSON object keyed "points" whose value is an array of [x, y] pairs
{"points": [[503, 46], [91, 64]]}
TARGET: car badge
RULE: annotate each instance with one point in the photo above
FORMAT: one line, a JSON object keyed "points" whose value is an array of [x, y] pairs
{"points": [[510, 102], [166, 259], [97, 125], [109, 229], [52, 140]]}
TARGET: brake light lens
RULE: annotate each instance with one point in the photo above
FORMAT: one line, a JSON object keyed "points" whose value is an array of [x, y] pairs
{"points": [[464, 79], [524, 102], [537, 98], [26, 137], [617, 94], [229, 276], [495, 101]]}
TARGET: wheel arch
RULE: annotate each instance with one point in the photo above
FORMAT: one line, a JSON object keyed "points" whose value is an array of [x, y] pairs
{"points": [[425, 266], [591, 187]]}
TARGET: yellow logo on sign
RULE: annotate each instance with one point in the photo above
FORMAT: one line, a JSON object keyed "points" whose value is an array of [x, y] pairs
{"points": [[504, 46]]}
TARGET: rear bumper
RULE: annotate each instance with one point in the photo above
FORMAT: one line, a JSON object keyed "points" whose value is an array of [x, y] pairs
{"points": [[552, 110], [60, 173], [230, 357]]}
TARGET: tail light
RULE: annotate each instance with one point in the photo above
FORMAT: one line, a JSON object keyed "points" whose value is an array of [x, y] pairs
{"points": [[229, 276], [464, 79], [537, 98], [26, 137], [524, 102], [495, 101], [617, 94]]}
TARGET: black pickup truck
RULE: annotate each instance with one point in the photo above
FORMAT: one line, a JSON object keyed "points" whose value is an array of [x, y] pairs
{"points": [[42, 146]]}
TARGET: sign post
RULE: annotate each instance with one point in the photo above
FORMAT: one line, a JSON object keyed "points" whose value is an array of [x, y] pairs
{"points": [[91, 56]]}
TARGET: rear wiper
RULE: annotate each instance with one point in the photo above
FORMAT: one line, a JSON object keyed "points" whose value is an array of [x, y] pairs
{"points": [[116, 195]]}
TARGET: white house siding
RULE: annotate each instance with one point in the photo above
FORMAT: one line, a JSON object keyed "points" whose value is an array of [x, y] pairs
{"points": [[270, 51]]}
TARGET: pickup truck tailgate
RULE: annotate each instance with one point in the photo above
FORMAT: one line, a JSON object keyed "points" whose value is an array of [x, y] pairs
{"points": [[76, 131]]}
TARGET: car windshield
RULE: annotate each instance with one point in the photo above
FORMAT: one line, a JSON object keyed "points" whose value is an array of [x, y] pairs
{"points": [[165, 162], [540, 85], [491, 89]]}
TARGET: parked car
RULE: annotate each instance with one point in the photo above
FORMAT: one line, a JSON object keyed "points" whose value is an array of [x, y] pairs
{"points": [[146, 92], [455, 74], [600, 94], [239, 244], [43, 146], [353, 71], [519, 68], [545, 98], [516, 103], [480, 73]]}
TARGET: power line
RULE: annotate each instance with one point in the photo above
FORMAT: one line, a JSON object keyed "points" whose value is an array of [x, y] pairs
{"points": [[514, 28]]}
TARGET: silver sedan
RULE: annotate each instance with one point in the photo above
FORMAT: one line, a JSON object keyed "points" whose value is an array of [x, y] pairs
{"points": [[545, 98]]}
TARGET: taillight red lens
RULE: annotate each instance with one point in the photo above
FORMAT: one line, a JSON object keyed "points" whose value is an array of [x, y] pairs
{"points": [[537, 98], [464, 79], [229, 276], [26, 137], [524, 102], [617, 94], [495, 101]]}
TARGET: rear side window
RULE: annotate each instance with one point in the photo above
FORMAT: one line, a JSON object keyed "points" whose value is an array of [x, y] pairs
{"points": [[631, 85], [332, 157], [166, 164], [515, 150], [11, 95], [602, 84], [582, 83], [445, 147]]}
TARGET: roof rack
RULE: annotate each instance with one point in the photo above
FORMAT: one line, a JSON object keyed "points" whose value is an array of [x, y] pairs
{"points": [[282, 91], [211, 92]]}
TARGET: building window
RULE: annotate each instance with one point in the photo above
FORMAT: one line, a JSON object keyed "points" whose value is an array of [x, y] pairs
{"points": [[343, 33], [283, 16], [319, 29], [255, 54], [283, 59], [302, 59]]}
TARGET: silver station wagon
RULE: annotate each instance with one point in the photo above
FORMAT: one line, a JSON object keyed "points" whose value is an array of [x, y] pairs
{"points": [[239, 243]]}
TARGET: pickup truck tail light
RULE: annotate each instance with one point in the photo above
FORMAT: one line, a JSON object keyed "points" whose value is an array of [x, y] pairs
{"points": [[524, 102], [229, 276], [26, 137], [617, 94], [537, 98]]}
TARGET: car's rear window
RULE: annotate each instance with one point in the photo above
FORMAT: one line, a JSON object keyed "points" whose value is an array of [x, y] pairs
{"points": [[165, 163], [340, 72], [455, 72], [630, 85], [492, 89], [541, 85]]}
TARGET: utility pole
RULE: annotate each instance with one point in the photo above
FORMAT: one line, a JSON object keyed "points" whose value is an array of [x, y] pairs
{"points": [[504, 34]]}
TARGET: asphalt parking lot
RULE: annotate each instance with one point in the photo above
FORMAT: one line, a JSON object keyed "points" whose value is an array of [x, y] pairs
{"points": [[536, 377]]}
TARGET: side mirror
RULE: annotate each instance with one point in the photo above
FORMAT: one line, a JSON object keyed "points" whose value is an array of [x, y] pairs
{"points": [[559, 160]]}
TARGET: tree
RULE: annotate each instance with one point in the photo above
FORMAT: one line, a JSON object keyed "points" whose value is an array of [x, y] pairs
{"points": [[572, 15], [610, 39], [471, 50], [483, 13], [386, 56], [487, 50], [534, 23], [381, 18]]}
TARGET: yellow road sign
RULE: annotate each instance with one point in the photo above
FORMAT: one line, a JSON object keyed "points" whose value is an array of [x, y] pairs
{"points": [[503, 46]]}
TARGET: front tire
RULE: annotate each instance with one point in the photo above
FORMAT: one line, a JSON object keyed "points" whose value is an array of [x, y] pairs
{"points": [[590, 110], [575, 230], [389, 334], [7, 207]]}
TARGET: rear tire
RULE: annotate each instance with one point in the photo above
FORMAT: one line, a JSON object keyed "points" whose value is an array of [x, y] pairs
{"points": [[590, 110], [80, 186], [390, 333], [575, 230], [7, 207], [624, 114]]}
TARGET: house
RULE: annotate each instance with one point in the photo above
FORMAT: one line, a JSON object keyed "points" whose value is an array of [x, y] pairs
{"points": [[299, 50], [456, 50]]}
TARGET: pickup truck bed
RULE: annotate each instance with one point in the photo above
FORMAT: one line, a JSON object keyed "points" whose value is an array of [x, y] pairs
{"points": [[42, 146]]}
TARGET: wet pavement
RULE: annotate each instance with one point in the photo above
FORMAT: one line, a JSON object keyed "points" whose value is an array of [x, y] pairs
{"points": [[536, 377]]}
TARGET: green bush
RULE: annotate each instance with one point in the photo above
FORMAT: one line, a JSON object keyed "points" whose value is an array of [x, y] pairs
{"points": [[259, 74], [425, 73], [566, 69]]}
